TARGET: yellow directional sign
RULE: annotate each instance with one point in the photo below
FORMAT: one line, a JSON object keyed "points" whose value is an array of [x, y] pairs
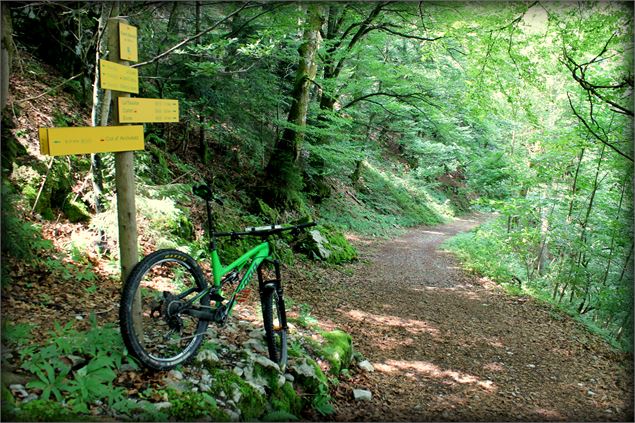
{"points": [[118, 77], [44, 140], [148, 110], [91, 139], [128, 42]]}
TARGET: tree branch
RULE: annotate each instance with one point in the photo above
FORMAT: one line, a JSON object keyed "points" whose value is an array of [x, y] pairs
{"points": [[401, 34], [187, 40], [598, 137]]}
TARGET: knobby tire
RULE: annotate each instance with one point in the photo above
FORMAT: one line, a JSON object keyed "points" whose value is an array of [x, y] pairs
{"points": [[275, 327], [163, 271]]}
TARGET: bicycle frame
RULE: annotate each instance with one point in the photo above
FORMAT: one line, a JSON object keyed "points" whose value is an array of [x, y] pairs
{"points": [[257, 255]]}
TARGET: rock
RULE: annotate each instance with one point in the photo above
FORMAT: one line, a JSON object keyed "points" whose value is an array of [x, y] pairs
{"points": [[281, 381], [362, 395], [256, 381], [238, 371], [222, 394], [289, 377], [29, 397], [266, 363], [204, 387], [175, 374], [320, 243], [162, 405], [207, 356], [255, 345], [206, 377], [236, 394], [531, 366], [19, 390], [233, 416], [257, 334], [309, 376], [303, 369], [365, 365]]}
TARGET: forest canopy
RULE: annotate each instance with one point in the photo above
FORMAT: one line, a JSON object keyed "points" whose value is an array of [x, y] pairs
{"points": [[373, 115]]}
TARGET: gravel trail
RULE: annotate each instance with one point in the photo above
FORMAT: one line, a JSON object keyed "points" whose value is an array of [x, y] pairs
{"points": [[447, 345]]}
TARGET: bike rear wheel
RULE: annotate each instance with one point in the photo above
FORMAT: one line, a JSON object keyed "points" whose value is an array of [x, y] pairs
{"points": [[152, 327], [273, 315]]}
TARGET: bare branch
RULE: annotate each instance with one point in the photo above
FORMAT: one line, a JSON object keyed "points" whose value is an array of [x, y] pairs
{"points": [[190, 39], [595, 134], [403, 35]]}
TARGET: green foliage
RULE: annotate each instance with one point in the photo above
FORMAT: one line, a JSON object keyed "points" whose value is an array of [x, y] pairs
{"points": [[284, 400], [41, 410], [15, 333], [279, 416], [103, 352], [50, 381], [193, 406]]}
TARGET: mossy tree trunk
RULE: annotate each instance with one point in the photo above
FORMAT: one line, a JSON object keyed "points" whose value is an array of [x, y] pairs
{"points": [[7, 53], [284, 178]]}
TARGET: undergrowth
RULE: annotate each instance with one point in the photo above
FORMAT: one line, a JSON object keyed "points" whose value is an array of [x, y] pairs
{"points": [[490, 251]]}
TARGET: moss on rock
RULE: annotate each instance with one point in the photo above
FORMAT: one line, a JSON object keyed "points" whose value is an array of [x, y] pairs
{"points": [[76, 211], [250, 402], [286, 399], [190, 406], [328, 244], [338, 350]]}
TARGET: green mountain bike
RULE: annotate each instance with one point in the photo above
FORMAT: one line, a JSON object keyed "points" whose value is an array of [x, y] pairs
{"points": [[167, 302]]}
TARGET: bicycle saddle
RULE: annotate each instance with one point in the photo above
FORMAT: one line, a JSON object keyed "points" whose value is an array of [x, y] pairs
{"points": [[203, 191]]}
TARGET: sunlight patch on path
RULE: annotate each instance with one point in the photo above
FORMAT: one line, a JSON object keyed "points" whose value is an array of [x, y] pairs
{"points": [[413, 326], [428, 369]]}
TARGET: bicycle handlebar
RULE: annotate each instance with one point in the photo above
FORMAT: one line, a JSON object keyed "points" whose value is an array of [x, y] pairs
{"points": [[264, 230]]}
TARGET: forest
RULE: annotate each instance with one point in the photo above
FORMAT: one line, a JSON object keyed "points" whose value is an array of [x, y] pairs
{"points": [[469, 166]]}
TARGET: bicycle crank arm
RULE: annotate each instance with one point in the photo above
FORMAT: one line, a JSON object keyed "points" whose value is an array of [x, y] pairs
{"points": [[203, 315]]}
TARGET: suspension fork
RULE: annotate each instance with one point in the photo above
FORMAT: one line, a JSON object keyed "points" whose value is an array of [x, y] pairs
{"points": [[264, 285]]}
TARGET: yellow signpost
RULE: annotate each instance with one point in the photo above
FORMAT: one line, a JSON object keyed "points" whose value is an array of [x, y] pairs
{"points": [[91, 139], [132, 110], [44, 140], [128, 42], [118, 77]]}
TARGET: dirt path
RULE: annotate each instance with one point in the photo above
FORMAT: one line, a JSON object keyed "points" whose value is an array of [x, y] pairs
{"points": [[447, 345]]}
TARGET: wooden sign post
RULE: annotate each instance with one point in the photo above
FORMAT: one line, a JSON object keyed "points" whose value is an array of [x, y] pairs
{"points": [[121, 80], [124, 166]]}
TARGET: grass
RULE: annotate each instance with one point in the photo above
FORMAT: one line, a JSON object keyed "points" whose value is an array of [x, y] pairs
{"points": [[387, 201]]}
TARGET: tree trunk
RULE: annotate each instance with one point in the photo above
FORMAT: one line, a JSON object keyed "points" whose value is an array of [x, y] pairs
{"points": [[7, 54], [283, 174], [202, 143], [100, 112], [574, 186], [614, 235]]}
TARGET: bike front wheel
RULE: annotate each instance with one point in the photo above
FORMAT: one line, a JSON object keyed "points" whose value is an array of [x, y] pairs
{"points": [[273, 314], [152, 327]]}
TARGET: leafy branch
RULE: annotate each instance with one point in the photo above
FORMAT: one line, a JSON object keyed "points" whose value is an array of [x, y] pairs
{"points": [[604, 138]]}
